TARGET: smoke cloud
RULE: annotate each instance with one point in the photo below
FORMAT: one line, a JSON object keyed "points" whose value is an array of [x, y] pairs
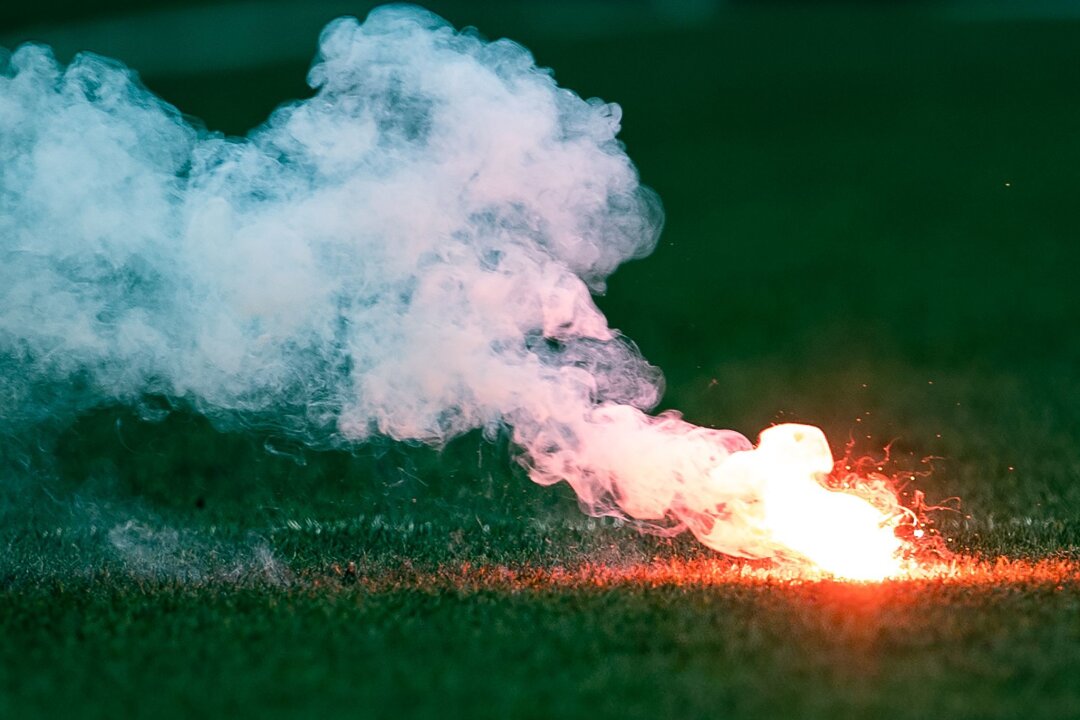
{"points": [[411, 253]]}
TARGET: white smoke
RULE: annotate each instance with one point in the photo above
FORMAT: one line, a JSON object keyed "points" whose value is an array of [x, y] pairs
{"points": [[411, 253]]}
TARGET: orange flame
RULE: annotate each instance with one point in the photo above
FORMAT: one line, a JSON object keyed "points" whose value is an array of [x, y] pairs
{"points": [[837, 532]]}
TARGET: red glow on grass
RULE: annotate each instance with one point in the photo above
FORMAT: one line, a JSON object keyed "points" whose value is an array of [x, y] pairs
{"points": [[958, 571]]}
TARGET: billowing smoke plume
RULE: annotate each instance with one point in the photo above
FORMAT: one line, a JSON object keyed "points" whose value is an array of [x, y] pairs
{"points": [[409, 253]]}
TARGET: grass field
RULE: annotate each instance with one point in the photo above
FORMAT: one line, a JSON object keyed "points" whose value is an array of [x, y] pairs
{"points": [[872, 223]]}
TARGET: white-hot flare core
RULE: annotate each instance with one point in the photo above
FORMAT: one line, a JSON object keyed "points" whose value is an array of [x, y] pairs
{"points": [[838, 532]]}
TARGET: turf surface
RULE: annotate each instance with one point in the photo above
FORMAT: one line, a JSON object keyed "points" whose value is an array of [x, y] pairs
{"points": [[871, 226]]}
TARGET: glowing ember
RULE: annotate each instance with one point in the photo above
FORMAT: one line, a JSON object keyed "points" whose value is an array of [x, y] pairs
{"points": [[838, 532]]}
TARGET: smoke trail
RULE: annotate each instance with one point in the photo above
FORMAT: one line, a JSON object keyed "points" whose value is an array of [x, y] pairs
{"points": [[409, 253]]}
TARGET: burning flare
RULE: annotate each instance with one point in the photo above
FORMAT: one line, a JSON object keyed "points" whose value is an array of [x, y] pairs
{"points": [[838, 532], [411, 253]]}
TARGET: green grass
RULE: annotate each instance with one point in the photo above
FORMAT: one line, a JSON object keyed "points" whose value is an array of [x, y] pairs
{"points": [[625, 651], [421, 643], [872, 226]]}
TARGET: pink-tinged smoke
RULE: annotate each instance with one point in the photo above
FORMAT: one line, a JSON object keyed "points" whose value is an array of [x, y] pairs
{"points": [[412, 253]]}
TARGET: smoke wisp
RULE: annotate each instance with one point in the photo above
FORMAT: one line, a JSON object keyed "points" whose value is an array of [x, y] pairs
{"points": [[411, 253]]}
